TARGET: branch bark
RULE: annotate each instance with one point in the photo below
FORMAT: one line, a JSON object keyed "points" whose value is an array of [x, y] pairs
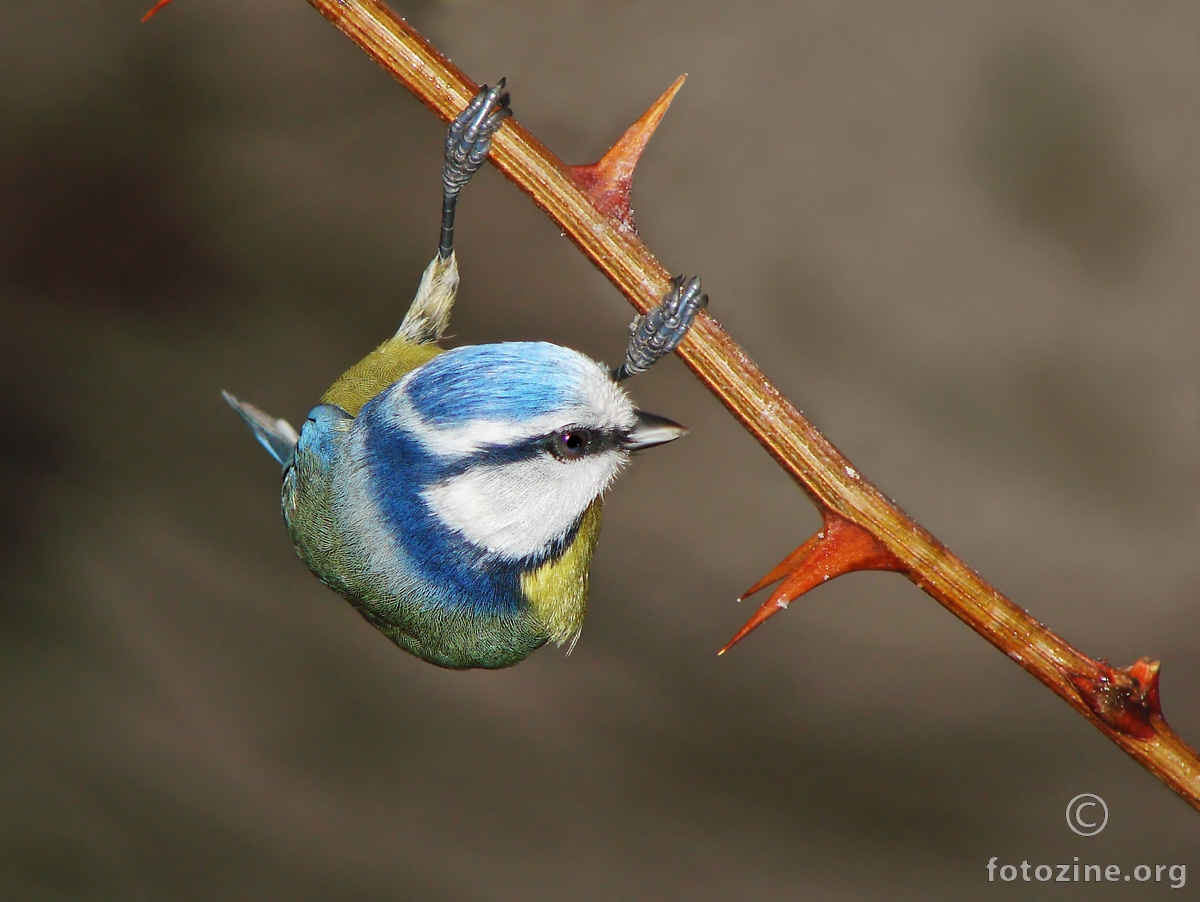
{"points": [[1121, 702]]}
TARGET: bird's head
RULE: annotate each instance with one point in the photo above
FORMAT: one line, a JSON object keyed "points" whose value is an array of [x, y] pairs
{"points": [[515, 440]]}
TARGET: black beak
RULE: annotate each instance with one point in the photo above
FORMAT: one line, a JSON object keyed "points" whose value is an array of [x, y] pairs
{"points": [[651, 430]]}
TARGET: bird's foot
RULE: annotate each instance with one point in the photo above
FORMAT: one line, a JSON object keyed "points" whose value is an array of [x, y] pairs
{"points": [[467, 143], [470, 136], [659, 332]]}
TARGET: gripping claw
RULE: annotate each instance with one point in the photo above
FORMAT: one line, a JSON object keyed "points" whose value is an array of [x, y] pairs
{"points": [[659, 332], [467, 143]]}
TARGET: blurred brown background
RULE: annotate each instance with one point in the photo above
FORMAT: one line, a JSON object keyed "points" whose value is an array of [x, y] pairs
{"points": [[962, 237]]}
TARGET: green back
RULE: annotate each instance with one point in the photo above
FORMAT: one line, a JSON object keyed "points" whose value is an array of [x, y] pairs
{"points": [[375, 372]]}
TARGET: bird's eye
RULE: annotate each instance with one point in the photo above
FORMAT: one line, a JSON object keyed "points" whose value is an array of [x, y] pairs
{"points": [[571, 444]]}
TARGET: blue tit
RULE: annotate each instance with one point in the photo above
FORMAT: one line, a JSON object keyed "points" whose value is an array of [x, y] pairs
{"points": [[454, 497]]}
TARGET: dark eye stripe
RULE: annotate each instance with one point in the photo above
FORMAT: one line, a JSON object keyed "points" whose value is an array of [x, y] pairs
{"points": [[575, 442], [598, 441]]}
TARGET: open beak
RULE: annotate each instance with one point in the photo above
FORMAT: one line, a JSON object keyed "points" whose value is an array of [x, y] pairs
{"points": [[650, 430]]}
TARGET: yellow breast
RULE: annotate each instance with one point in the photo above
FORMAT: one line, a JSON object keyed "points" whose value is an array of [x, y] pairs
{"points": [[557, 591]]}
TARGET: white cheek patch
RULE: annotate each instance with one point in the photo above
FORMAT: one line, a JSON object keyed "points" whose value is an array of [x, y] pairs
{"points": [[515, 510]]}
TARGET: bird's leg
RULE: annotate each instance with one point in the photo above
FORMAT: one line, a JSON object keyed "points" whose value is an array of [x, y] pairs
{"points": [[659, 332], [467, 144]]}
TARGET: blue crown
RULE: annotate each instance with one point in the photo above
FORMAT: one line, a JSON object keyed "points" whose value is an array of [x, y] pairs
{"points": [[509, 381]]}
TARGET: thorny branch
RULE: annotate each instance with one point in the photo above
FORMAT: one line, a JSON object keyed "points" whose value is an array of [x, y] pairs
{"points": [[863, 529]]}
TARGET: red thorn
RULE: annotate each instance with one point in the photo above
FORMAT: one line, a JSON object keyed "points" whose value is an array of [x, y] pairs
{"points": [[1124, 698], [841, 547], [609, 180], [786, 566], [157, 6]]}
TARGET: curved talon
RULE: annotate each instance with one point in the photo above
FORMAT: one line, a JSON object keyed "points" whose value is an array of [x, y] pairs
{"points": [[659, 332], [467, 144]]}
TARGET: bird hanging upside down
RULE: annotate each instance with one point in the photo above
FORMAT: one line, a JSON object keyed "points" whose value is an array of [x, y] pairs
{"points": [[454, 497]]}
